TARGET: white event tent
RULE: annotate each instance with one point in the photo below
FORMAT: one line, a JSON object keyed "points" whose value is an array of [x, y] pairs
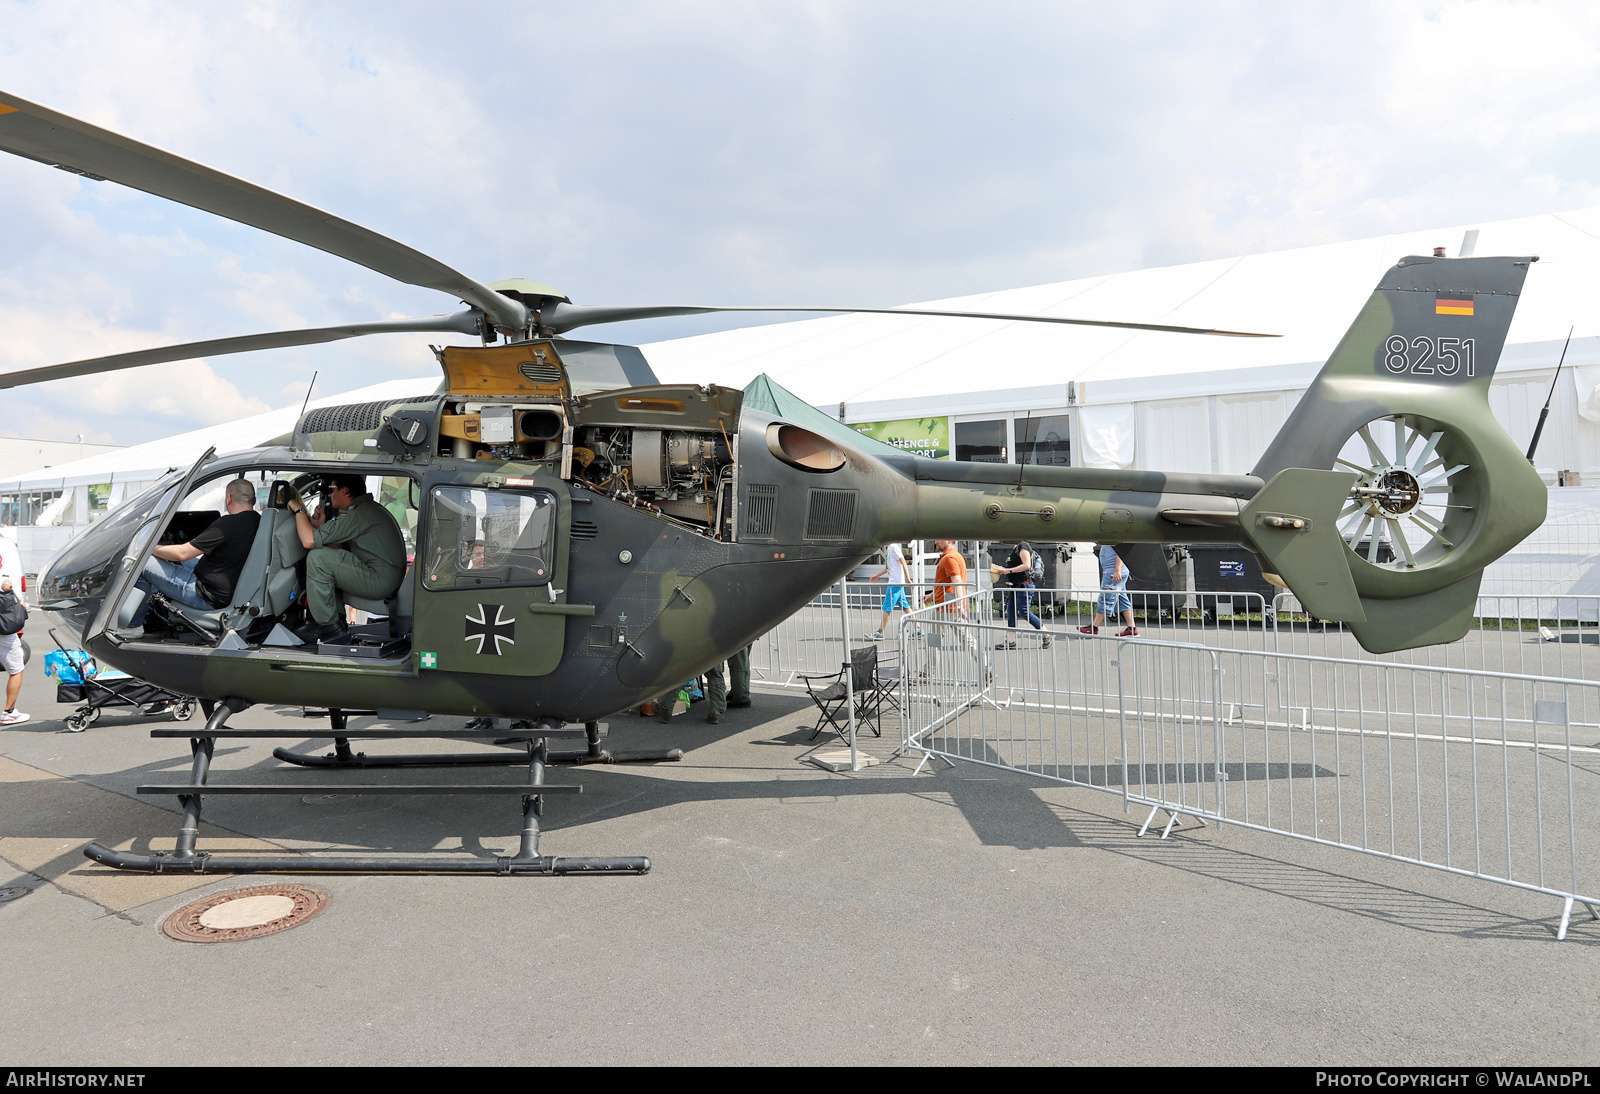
{"points": [[1186, 403], [1168, 401]]}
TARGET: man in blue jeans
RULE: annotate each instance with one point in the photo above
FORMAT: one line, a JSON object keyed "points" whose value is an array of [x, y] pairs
{"points": [[202, 573], [1017, 573]]}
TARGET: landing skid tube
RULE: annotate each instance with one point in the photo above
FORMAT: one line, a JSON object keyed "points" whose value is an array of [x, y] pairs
{"points": [[187, 859], [342, 756]]}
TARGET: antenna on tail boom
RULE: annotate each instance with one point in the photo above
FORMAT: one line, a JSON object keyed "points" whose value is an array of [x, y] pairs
{"points": [[1545, 413]]}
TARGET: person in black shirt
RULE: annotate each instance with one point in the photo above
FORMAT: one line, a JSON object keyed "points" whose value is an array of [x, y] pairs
{"points": [[202, 573], [1018, 575]]}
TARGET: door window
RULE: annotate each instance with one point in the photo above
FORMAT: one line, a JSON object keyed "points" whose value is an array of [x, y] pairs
{"points": [[478, 538]]}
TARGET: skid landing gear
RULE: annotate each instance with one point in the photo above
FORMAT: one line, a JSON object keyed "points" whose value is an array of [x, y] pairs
{"points": [[186, 858], [592, 753]]}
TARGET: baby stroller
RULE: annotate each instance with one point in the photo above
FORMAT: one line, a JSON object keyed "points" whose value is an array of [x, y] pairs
{"points": [[80, 680]]}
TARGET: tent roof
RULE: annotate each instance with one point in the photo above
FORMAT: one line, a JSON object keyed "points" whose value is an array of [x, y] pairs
{"points": [[1309, 296], [153, 459]]}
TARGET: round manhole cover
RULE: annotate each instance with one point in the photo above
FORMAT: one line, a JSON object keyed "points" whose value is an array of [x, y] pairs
{"points": [[13, 892], [239, 914]]}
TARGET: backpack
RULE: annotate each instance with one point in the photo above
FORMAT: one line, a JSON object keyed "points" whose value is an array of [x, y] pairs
{"points": [[13, 613], [1035, 563]]}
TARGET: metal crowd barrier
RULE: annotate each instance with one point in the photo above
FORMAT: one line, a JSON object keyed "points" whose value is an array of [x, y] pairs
{"points": [[810, 640], [1482, 774], [1537, 635]]}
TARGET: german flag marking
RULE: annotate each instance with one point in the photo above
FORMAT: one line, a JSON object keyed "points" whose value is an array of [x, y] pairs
{"points": [[1452, 305]]}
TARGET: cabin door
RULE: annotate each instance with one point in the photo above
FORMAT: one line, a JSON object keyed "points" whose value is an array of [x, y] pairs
{"points": [[138, 552], [493, 566]]}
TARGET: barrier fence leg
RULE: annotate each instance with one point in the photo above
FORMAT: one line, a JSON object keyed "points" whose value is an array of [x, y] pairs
{"points": [[1145, 827], [1172, 820], [1566, 917]]}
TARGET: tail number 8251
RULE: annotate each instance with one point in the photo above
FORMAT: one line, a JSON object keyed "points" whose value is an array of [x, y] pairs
{"points": [[1423, 356]]}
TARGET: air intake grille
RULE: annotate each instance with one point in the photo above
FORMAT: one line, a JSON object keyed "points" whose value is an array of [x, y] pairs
{"points": [[583, 529], [760, 511], [830, 516], [350, 418], [540, 372]]}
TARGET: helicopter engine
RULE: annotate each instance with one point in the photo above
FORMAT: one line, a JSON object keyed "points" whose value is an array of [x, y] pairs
{"points": [[677, 472]]}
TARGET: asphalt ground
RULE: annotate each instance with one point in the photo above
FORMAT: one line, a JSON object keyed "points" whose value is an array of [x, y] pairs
{"points": [[960, 915]]}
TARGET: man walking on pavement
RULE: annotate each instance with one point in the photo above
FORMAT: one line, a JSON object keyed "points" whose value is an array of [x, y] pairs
{"points": [[1018, 572], [1113, 594], [13, 617], [894, 568], [950, 579]]}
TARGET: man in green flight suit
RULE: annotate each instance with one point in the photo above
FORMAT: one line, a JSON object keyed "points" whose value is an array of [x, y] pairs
{"points": [[360, 551], [717, 685]]}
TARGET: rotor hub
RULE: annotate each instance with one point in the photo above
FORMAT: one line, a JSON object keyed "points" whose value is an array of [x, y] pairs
{"points": [[1392, 492]]}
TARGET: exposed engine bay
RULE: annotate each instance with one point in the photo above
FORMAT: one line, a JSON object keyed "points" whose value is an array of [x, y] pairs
{"points": [[685, 475], [667, 448]]}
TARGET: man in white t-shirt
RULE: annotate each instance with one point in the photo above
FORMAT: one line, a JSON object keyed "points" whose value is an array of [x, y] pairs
{"points": [[894, 567], [11, 659]]}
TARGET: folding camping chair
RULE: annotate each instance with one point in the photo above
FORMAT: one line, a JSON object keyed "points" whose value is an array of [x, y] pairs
{"points": [[885, 685], [828, 691]]}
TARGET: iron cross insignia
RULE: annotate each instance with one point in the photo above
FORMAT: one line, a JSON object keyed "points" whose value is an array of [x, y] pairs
{"points": [[481, 629]]}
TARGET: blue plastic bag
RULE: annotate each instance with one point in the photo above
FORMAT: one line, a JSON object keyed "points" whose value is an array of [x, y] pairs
{"points": [[70, 666]]}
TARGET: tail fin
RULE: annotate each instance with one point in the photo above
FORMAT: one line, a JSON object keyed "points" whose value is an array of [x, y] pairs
{"points": [[1437, 489]]}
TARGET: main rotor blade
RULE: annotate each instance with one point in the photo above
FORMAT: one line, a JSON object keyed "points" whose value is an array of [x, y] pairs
{"points": [[562, 317], [461, 322], [39, 133]]}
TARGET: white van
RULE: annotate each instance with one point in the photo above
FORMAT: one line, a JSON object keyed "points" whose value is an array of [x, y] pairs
{"points": [[11, 560]]}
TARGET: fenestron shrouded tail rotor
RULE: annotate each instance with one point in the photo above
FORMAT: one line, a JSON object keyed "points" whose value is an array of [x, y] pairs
{"points": [[514, 309], [1410, 504], [1423, 486]]}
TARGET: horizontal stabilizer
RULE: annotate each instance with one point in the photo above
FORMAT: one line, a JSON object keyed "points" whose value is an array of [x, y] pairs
{"points": [[1294, 523]]}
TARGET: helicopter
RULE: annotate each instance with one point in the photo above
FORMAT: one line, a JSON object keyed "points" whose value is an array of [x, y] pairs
{"points": [[587, 537]]}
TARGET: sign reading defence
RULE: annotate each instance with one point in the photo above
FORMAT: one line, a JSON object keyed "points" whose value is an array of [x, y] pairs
{"points": [[919, 436]]}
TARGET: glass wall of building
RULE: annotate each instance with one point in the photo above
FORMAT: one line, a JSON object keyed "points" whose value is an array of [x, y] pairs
{"points": [[1044, 439], [982, 442], [25, 508]]}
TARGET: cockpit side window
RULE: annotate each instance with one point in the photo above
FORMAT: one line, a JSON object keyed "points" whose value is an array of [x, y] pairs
{"points": [[478, 538]]}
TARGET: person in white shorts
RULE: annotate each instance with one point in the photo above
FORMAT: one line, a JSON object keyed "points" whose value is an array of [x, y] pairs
{"points": [[11, 661]]}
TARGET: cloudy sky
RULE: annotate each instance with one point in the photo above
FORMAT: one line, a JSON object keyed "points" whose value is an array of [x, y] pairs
{"points": [[679, 152]]}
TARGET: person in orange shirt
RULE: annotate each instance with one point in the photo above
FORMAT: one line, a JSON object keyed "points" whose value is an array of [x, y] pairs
{"points": [[950, 577]]}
